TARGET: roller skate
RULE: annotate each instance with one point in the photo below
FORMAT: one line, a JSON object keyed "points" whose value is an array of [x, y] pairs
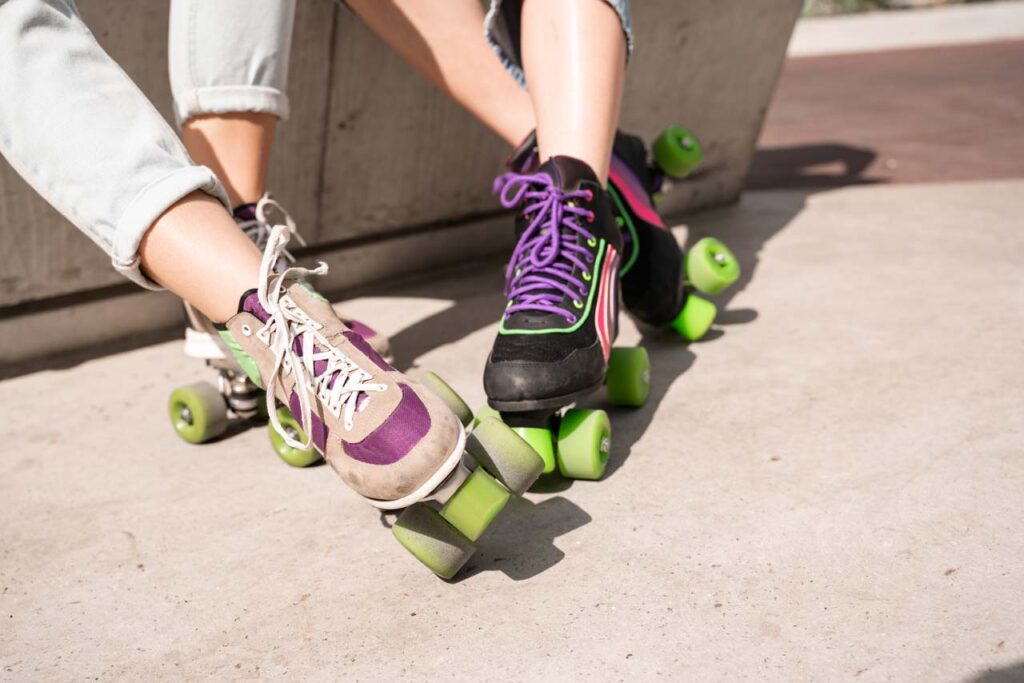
{"points": [[660, 284], [241, 400], [554, 344], [396, 442]]}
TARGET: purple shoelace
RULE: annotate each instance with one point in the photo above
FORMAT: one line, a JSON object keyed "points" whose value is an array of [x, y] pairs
{"points": [[540, 271]]}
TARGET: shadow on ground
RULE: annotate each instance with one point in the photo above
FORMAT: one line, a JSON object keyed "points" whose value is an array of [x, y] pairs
{"points": [[823, 165], [521, 544], [521, 541], [1013, 673]]}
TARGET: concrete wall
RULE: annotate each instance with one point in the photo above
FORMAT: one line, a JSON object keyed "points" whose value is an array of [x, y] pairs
{"points": [[377, 191]]}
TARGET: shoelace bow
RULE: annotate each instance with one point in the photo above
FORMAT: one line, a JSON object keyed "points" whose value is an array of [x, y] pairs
{"points": [[258, 229], [540, 271], [319, 367]]}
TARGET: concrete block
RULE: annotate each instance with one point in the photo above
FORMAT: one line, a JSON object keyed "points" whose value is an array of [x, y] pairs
{"points": [[355, 165]]}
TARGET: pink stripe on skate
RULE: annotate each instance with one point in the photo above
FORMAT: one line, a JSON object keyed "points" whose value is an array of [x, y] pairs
{"points": [[602, 319], [633, 193]]}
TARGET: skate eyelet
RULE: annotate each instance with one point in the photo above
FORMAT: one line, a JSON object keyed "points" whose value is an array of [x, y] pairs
{"points": [[246, 330], [572, 319], [577, 303], [592, 242], [586, 277], [589, 196], [590, 217]]}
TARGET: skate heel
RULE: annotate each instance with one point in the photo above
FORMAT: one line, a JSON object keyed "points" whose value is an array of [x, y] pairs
{"points": [[495, 465]]}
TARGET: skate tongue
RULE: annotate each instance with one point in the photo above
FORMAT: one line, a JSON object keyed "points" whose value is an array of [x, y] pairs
{"points": [[244, 212], [250, 303], [568, 172], [524, 158]]}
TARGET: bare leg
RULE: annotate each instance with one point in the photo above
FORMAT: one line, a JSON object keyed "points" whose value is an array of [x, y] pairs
{"points": [[195, 250], [236, 147], [444, 42], [574, 58]]}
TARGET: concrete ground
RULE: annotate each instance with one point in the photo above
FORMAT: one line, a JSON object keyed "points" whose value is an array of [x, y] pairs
{"points": [[830, 487]]}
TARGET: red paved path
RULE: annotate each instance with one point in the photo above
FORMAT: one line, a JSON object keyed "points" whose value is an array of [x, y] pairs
{"points": [[935, 114]]}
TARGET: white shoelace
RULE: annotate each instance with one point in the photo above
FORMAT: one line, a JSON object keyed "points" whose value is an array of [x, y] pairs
{"points": [[258, 229], [288, 322]]}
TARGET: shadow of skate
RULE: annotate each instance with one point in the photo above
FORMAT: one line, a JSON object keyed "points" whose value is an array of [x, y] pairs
{"points": [[553, 482], [819, 166], [521, 543], [745, 232], [670, 359], [1013, 673], [467, 315]]}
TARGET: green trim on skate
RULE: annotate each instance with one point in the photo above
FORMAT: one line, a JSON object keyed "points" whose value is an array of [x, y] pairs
{"points": [[244, 359], [594, 274], [313, 293], [624, 214]]}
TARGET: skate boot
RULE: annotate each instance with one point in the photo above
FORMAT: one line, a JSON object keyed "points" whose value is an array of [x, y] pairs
{"points": [[554, 343], [243, 400], [658, 280], [255, 221], [395, 441]]}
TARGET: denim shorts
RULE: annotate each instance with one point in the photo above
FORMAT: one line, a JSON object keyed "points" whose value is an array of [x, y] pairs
{"points": [[502, 28]]}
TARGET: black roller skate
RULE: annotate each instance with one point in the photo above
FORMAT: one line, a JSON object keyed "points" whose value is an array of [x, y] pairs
{"points": [[554, 344], [658, 281]]}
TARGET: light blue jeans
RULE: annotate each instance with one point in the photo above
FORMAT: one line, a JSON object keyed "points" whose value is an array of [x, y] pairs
{"points": [[80, 132]]}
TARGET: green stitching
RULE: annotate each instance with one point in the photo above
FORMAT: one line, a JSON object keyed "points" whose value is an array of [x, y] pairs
{"points": [[635, 251], [244, 359]]}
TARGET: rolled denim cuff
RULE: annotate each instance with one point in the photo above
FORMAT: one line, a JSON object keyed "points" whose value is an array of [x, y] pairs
{"points": [[503, 39], [228, 99], [148, 206]]}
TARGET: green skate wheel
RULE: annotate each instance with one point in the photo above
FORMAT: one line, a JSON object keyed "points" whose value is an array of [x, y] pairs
{"points": [[504, 454], [432, 540], [628, 380], [542, 441], [694, 321], [584, 443], [476, 503], [486, 411], [198, 412], [296, 457], [711, 266], [677, 152], [451, 399]]}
